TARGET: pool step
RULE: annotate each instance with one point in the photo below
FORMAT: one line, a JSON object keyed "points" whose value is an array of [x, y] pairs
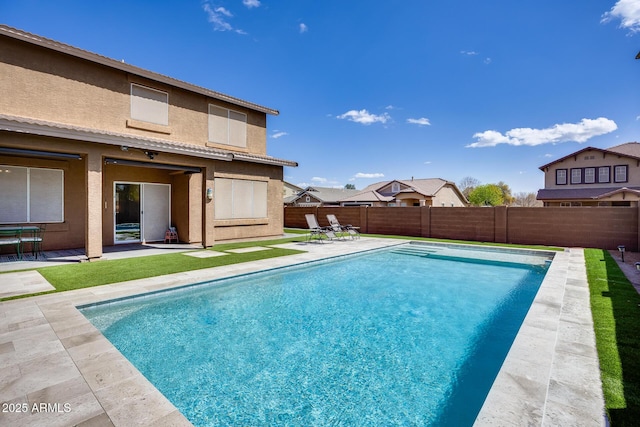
{"points": [[415, 251]]}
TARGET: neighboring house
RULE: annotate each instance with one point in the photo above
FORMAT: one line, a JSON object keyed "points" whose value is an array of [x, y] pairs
{"points": [[414, 192], [594, 177], [104, 152], [290, 191], [320, 196]]}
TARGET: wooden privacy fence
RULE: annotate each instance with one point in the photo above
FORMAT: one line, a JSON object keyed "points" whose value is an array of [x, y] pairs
{"points": [[590, 227]]}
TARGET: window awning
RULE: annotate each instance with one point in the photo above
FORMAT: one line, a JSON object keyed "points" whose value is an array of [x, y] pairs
{"points": [[122, 162], [39, 153]]}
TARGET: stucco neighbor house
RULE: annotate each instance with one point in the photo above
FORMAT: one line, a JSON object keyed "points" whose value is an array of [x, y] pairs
{"points": [[290, 191], [434, 192], [104, 152], [594, 177]]}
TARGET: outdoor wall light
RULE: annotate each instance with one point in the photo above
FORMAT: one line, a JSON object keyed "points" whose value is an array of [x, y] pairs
{"points": [[209, 193], [621, 249], [637, 265]]}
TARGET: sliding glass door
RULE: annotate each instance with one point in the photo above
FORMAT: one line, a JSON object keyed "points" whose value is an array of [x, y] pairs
{"points": [[142, 212], [127, 213]]}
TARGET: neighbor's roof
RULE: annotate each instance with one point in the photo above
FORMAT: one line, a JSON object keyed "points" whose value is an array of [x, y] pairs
{"points": [[428, 187], [44, 128], [326, 194], [122, 66], [583, 193], [628, 149], [367, 196]]}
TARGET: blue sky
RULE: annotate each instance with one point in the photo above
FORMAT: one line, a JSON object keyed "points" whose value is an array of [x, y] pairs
{"points": [[370, 91]]}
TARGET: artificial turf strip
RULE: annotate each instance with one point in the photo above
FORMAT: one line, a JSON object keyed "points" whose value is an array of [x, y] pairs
{"points": [[615, 305], [84, 275]]}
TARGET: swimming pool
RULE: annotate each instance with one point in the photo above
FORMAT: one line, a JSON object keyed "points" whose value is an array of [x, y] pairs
{"points": [[411, 335]]}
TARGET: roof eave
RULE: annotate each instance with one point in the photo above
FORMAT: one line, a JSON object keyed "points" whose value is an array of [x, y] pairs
{"points": [[123, 66]]}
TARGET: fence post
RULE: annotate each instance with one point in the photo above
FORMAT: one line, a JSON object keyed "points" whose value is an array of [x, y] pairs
{"points": [[500, 224], [425, 221], [638, 230], [364, 219]]}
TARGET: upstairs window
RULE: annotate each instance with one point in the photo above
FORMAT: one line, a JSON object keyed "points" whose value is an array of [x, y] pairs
{"points": [[561, 177], [620, 173], [603, 174], [227, 127], [589, 175], [149, 105], [576, 176]]}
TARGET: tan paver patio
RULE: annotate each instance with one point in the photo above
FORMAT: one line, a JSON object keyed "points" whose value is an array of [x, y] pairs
{"points": [[50, 353]]}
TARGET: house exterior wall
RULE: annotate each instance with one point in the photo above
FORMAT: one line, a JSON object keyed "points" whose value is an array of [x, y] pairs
{"points": [[447, 197], [46, 85], [70, 233], [593, 158]]}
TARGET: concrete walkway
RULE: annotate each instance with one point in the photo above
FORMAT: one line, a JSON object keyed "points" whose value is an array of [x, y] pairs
{"points": [[56, 369]]}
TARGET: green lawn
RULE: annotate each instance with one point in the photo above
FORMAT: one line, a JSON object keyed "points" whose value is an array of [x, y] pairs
{"points": [[615, 305], [88, 274]]}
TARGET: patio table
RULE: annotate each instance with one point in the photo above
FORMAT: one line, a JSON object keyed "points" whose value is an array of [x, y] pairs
{"points": [[22, 229]]}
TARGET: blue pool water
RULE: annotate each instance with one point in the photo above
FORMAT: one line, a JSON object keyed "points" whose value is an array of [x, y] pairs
{"points": [[407, 336]]}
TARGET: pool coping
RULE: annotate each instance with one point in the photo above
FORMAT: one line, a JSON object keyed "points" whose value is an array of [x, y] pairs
{"points": [[51, 354]]}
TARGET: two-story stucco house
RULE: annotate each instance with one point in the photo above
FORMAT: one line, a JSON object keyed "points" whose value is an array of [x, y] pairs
{"points": [[594, 177], [408, 192], [104, 152]]}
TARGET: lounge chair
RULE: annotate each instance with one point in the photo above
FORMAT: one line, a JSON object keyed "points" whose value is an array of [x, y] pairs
{"points": [[316, 230], [349, 229]]}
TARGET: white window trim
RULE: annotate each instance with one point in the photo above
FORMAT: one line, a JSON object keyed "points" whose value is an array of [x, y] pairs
{"points": [[564, 173], [608, 169], [615, 173], [578, 177], [590, 179]]}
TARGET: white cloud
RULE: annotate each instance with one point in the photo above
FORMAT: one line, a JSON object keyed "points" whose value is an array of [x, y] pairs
{"points": [[628, 11], [364, 117], [251, 3], [303, 28], [319, 179], [427, 163], [469, 52], [578, 132], [278, 134], [218, 17], [487, 61], [390, 107], [368, 175], [224, 11], [422, 121]]}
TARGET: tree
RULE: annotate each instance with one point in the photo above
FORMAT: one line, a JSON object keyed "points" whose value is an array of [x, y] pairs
{"points": [[349, 187], [526, 200], [486, 195], [507, 198], [467, 184]]}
